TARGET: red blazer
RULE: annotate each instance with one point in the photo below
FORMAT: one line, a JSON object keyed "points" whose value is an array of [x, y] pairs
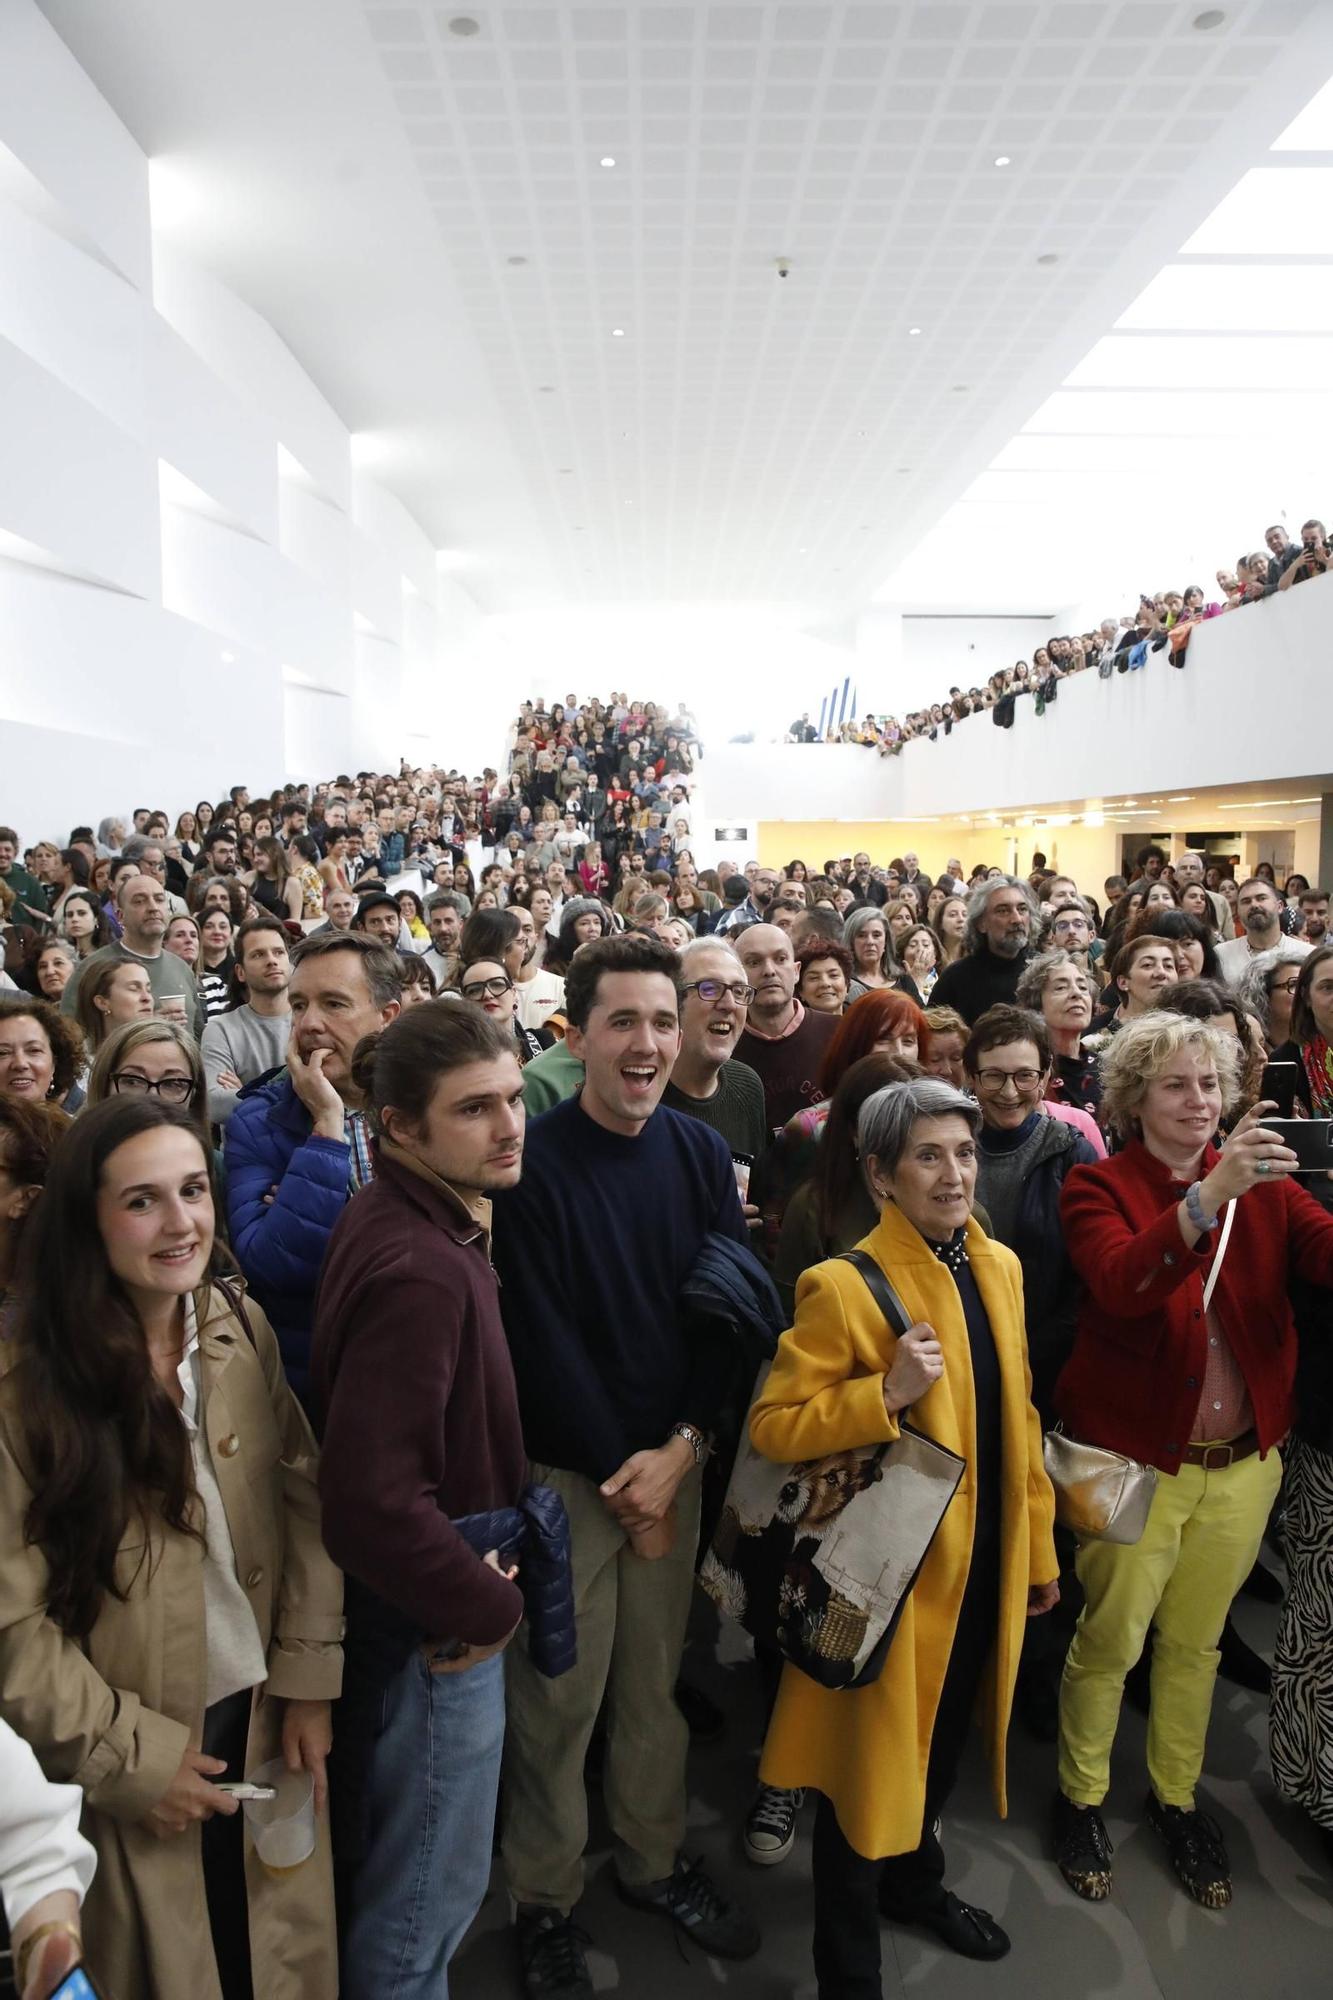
{"points": [[1133, 1380]]}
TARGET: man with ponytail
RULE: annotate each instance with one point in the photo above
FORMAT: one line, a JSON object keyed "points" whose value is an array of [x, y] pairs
{"points": [[415, 1389]]}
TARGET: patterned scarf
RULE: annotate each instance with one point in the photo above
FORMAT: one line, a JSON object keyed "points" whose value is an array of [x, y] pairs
{"points": [[1318, 1060]]}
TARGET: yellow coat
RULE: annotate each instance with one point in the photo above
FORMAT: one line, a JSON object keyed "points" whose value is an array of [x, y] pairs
{"points": [[867, 1748], [115, 1715]]}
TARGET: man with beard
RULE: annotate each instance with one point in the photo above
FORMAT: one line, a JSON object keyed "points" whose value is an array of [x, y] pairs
{"points": [[998, 943], [1259, 908]]}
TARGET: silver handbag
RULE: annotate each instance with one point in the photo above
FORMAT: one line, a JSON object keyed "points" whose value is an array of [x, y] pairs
{"points": [[1101, 1495]]}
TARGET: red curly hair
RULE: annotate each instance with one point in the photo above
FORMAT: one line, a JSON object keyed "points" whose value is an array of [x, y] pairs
{"points": [[876, 1015]]}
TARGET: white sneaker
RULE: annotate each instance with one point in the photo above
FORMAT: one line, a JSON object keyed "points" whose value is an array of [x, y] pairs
{"points": [[770, 1825]]}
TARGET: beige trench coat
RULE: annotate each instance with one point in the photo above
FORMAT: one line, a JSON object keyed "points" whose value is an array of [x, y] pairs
{"points": [[116, 1714]]}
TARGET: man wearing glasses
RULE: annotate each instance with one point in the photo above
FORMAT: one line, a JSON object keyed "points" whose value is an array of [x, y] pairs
{"points": [[1070, 927], [705, 1083]]}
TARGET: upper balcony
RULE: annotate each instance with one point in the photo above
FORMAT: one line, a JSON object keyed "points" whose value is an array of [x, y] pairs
{"points": [[1253, 700]]}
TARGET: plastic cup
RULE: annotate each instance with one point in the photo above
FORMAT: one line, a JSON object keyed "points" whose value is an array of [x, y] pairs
{"points": [[282, 1828]]}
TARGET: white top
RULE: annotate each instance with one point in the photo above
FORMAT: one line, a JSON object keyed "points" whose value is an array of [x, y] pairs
{"points": [[1234, 956], [41, 1848], [232, 1645], [539, 997]]}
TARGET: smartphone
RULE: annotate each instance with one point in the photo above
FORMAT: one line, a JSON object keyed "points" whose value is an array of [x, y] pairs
{"points": [[77, 1985], [1310, 1139], [1278, 1086]]}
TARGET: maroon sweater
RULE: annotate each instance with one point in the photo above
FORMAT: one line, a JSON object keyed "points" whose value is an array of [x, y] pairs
{"points": [[789, 1068], [411, 1374]]}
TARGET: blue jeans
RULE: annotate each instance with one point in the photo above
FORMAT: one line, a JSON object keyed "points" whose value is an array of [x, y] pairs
{"points": [[421, 1752]]}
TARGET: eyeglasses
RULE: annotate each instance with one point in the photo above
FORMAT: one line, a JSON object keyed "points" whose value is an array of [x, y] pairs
{"points": [[713, 989], [489, 989], [1285, 985], [1071, 924], [171, 1089], [1021, 1079]]}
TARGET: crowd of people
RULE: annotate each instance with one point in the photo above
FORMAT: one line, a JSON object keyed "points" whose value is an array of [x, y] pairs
{"points": [[1160, 623], [400, 1180]]}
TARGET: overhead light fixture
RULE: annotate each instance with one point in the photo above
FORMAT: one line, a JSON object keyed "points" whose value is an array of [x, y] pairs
{"points": [[464, 25], [546, 388], [1003, 160], [617, 333], [913, 331], [607, 160], [1211, 17], [228, 659], [1048, 257], [1179, 798], [516, 260]]}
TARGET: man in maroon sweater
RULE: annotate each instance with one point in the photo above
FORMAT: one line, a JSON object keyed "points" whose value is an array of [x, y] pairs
{"points": [[412, 1375], [783, 1041]]}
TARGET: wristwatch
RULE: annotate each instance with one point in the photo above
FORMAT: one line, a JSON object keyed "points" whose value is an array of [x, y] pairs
{"points": [[695, 1439], [1195, 1213]]}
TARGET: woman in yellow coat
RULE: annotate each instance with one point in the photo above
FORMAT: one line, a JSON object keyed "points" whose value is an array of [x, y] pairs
{"points": [[168, 1616], [884, 1757]]}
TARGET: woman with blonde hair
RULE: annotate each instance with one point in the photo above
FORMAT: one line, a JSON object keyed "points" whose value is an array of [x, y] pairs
{"points": [[1184, 1359], [151, 1059]]}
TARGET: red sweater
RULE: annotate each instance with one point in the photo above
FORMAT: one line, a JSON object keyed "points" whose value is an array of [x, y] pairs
{"points": [[1133, 1380]]}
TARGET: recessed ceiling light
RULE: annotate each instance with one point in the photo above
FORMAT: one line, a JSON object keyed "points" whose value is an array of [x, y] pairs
{"points": [[516, 260], [1048, 257], [904, 468], [1003, 160], [227, 659], [607, 160], [1211, 17], [914, 330], [546, 388], [960, 388], [617, 333], [802, 552], [463, 24]]}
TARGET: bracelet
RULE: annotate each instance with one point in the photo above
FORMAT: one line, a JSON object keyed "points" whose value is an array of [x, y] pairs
{"points": [[695, 1439], [30, 1944], [1195, 1213]]}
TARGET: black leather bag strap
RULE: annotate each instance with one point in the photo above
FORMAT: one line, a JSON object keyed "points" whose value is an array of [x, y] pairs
{"points": [[881, 1291]]}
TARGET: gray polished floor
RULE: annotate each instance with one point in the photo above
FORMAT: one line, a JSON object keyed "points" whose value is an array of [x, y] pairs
{"points": [[1276, 1940]]}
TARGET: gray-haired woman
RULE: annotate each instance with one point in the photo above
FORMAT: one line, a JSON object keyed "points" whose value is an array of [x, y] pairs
{"points": [[1060, 989], [1267, 988], [884, 1757], [866, 936]]}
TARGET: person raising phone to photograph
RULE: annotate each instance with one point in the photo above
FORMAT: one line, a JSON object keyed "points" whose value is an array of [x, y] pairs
{"points": [[168, 1617], [1185, 1360]]}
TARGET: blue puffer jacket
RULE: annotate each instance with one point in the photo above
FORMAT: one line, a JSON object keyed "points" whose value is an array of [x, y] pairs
{"points": [[280, 1245], [535, 1535]]}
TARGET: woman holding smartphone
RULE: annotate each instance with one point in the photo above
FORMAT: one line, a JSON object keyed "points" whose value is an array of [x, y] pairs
{"points": [[168, 1617]]}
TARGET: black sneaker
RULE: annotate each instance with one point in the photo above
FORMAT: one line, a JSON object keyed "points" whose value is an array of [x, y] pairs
{"points": [[1197, 1850], [550, 1950], [1082, 1849], [770, 1825], [698, 1909]]}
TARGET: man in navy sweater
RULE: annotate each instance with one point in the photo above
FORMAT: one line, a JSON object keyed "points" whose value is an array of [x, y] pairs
{"points": [[618, 1194]]}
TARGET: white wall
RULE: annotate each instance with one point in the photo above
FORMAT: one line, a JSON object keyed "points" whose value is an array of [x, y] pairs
{"points": [[1253, 700], [197, 588], [940, 653]]}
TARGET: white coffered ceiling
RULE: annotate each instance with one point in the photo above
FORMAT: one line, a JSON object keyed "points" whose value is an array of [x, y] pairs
{"points": [[425, 216]]}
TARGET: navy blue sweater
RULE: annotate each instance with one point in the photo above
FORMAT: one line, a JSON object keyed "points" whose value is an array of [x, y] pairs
{"points": [[592, 1248]]}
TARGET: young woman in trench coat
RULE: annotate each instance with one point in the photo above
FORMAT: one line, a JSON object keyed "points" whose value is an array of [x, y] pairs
{"points": [[159, 1540]]}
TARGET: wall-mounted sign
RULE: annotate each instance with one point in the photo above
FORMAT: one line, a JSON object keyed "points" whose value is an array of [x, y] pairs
{"points": [[731, 834]]}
